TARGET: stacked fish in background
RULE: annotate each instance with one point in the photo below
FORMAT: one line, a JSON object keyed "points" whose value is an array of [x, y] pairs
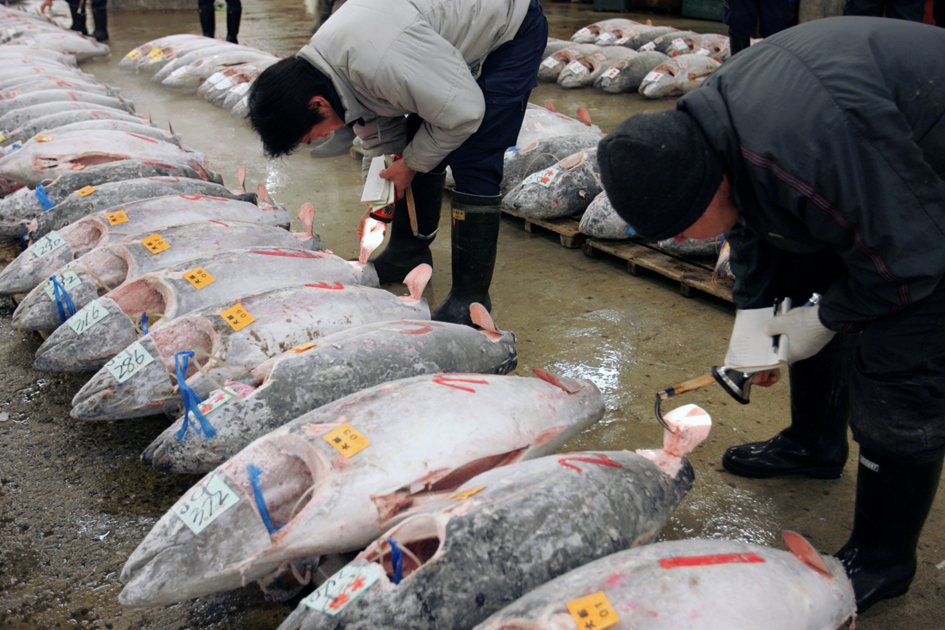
{"points": [[332, 416], [219, 71], [620, 55]]}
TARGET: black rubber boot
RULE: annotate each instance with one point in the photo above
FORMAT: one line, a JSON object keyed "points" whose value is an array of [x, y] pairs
{"points": [[233, 24], [893, 499], [474, 239], [78, 18], [100, 20], [405, 251], [208, 21], [816, 442]]}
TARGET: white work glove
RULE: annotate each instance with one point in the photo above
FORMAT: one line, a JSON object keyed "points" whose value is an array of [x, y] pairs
{"points": [[806, 336]]}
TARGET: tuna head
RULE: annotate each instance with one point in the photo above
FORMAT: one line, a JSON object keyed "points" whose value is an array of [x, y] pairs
{"points": [[38, 262], [88, 340], [49, 306]]}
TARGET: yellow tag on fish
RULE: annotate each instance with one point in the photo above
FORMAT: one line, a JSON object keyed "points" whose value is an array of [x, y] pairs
{"points": [[465, 494], [116, 218], [156, 54], [134, 54], [237, 317], [303, 347], [198, 277], [593, 612], [3, 138], [459, 215], [43, 138], [155, 244], [346, 440], [85, 192]]}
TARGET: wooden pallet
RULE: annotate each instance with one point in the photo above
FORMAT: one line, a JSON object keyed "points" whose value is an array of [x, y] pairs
{"points": [[689, 273], [568, 229]]}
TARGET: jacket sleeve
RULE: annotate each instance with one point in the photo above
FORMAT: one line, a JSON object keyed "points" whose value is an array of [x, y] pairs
{"points": [[425, 74]]}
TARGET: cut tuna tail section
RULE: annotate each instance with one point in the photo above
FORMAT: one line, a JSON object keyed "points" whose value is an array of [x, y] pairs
{"points": [[691, 424], [419, 538]]}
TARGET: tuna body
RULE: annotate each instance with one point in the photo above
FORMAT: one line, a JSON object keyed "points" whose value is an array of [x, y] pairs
{"points": [[561, 190], [600, 220], [520, 162]]}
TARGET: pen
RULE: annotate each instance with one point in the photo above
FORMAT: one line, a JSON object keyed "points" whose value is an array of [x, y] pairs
{"points": [[776, 339]]}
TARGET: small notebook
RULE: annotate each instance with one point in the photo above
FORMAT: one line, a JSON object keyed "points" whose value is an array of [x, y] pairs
{"points": [[751, 350], [377, 191]]}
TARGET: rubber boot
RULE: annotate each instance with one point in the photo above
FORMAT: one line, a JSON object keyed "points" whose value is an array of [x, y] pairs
{"points": [[816, 442], [893, 499], [208, 21], [474, 238], [100, 20], [233, 24], [78, 18], [405, 251]]}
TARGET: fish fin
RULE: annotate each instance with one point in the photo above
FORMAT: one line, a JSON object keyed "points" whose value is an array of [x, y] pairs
{"points": [[549, 106], [570, 385], [307, 217], [264, 195], [805, 552], [204, 174], [480, 317], [417, 280], [584, 116], [241, 178]]}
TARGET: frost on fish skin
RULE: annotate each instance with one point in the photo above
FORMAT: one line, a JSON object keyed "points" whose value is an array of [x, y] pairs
{"points": [[630, 72], [600, 220], [575, 183], [523, 161], [532, 522]]}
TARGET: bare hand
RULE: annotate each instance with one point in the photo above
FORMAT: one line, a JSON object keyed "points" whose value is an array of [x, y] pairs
{"points": [[766, 378], [400, 174]]}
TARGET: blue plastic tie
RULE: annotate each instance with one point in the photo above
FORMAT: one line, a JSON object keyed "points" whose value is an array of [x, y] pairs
{"points": [[254, 473], [43, 198], [190, 398], [63, 301], [22, 241], [630, 231], [14, 147], [396, 560], [144, 324]]}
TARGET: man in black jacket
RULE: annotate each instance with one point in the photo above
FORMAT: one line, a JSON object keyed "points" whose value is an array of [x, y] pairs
{"points": [[820, 152]]}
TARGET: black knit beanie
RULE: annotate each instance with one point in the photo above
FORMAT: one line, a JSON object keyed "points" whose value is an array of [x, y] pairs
{"points": [[659, 172]]}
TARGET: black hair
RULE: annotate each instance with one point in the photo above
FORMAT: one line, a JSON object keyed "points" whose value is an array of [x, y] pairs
{"points": [[279, 104]]}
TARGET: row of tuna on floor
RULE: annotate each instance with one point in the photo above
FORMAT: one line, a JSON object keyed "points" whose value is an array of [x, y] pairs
{"points": [[377, 428]]}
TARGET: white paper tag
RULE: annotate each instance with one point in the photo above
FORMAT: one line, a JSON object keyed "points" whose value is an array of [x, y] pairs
{"points": [[48, 244], [648, 47], [216, 401], [622, 41], [205, 503], [576, 67], [682, 64], [550, 62], [129, 362], [88, 316], [584, 31], [678, 44], [544, 177], [652, 77], [606, 38], [610, 74], [341, 589], [68, 280], [703, 51], [216, 78]]}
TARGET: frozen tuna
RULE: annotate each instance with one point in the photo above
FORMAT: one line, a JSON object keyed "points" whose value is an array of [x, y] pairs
{"points": [[592, 32], [506, 532], [61, 118], [190, 77], [585, 70], [101, 228], [336, 366], [284, 319], [337, 477], [59, 95], [110, 266], [139, 56], [706, 584], [677, 76], [627, 75], [541, 123], [110, 324], [554, 63], [561, 190], [520, 162], [18, 117], [600, 220]]}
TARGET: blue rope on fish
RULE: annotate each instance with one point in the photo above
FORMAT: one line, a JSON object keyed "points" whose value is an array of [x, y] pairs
{"points": [[190, 398], [63, 301], [144, 324], [43, 198], [396, 560], [22, 240], [254, 473]]}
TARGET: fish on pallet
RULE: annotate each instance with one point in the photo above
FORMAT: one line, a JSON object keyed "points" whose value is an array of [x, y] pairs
{"points": [[520, 162], [337, 365], [627, 75], [585, 70], [706, 584], [299, 492], [184, 288], [600, 220], [287, 320], [541, 123], [75, 150], [677, 76], [101, 228], [111, 266], [561, 190], [507, 531]]}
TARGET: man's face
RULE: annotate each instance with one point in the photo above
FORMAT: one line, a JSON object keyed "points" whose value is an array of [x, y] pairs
{"points": [[720, 217], [324, 128]]}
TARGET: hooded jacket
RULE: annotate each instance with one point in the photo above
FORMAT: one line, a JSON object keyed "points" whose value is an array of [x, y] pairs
{"points": [[389, 58], [832, 135]]}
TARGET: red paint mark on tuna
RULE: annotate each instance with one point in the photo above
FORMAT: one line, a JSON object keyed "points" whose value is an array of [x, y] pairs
{"points": [[196, 197], [161, 164], [442, 379], [134, 135], [701, 561], [288, 253], [335, 286], [421, 329], [588, 458], [219, 223]]}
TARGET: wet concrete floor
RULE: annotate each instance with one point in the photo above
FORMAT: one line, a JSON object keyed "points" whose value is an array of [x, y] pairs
{"points": [[75, 500]]}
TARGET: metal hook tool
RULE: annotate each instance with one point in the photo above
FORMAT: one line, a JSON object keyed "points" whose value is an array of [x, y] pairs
{"points": [[735, 382]]}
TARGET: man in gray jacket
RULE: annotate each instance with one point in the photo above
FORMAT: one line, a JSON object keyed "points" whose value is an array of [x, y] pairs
{"points": [[824, 166], [461, 72]]}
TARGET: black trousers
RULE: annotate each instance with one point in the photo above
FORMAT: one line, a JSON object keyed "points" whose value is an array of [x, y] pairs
{"points": [[742, 16], [913, 10]]}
